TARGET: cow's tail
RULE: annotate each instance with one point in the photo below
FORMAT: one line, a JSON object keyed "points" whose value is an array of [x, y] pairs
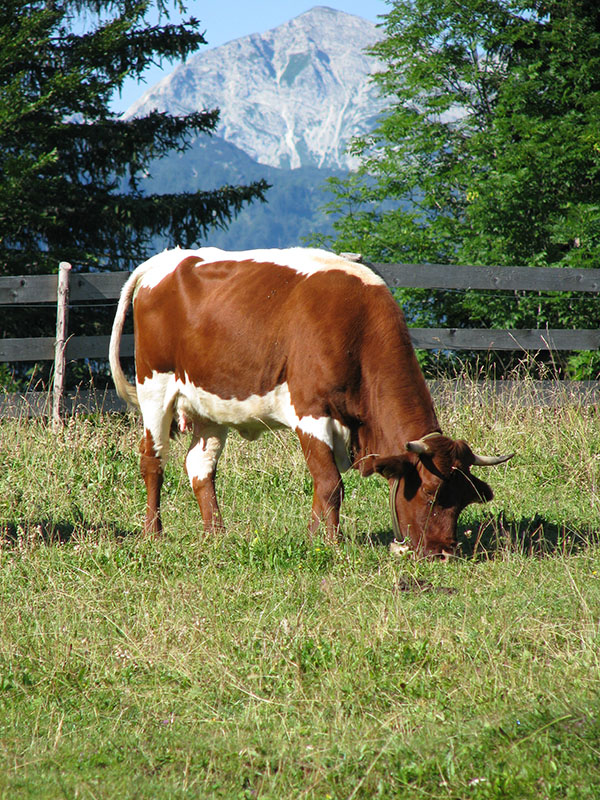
{"points": [[125, 390]]}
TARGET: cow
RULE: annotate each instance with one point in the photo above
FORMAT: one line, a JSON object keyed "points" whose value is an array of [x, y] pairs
{"points": [[297, 338]]}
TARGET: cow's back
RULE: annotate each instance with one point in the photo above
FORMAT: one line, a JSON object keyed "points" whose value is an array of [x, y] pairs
{"points": [[240, 327]]}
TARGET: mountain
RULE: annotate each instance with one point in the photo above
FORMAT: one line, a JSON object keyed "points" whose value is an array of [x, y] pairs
{"points": [[290, 97], [290, 100]]}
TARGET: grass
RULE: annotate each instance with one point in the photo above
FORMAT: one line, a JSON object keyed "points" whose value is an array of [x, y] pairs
{"points": [[265, 664]]}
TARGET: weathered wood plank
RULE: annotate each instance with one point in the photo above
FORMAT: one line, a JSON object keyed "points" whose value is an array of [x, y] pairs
{"points": [[97, 285], [36, 348], [32, 289], [28, 289], [41, 348], [97, 346], [483, 339], [441, 276], [60, 361]]}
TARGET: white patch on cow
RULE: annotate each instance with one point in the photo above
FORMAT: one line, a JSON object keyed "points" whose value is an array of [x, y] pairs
{"points": [[155, 397], [304, 261], [308, 261], [335, 435], [161, 265], [163, 396], [249, 416], [203, 455]]}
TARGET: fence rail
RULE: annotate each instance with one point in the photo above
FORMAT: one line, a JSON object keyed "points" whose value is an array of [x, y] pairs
{"points": [[32, 289], [86, 286], [443, 276], [41, 348], [96, 288], [102, 287]]}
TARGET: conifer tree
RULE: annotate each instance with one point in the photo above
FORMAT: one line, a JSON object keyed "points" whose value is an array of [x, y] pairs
{"points": [[69, 168]]}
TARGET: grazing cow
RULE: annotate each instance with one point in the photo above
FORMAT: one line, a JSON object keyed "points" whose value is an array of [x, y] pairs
{"points": [[297, 338]]}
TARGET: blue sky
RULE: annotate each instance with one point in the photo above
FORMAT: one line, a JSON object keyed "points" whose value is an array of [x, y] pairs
{"points": [[224, 20]]}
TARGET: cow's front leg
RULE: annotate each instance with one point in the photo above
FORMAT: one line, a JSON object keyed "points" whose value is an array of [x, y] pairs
{"points": [[201, 467], [152, 472], [328, 489]]}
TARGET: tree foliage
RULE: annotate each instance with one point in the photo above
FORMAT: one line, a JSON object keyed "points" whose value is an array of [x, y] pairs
{"points": [[488, 154], [69, 168]]}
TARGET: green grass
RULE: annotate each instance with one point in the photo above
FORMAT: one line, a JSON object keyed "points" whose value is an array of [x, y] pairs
{"points": [[262, 663]]}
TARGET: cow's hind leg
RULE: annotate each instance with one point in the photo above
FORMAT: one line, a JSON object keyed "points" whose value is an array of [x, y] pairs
{"points": [[201, 467], [157, 415], [152, 455], [328, 489]]}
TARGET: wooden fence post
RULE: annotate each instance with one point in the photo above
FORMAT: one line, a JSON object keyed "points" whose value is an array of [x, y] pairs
{"points": [[62, 318]]}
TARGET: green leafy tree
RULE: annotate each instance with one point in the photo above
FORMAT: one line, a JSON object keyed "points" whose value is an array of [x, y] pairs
{"points": [[69, 168], [488, 154]]}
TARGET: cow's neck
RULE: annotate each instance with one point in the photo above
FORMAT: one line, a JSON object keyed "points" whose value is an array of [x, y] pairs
{"points": [[407, 416], [399, 405]]}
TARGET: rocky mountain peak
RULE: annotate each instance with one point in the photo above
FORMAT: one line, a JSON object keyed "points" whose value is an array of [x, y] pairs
{"points": [[289, 97]]}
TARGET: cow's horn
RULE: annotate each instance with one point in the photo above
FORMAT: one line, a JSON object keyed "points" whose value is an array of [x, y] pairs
{"points": [[420, 446], [490, 461]]}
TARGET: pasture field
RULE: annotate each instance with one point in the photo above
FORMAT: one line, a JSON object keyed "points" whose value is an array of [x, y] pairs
{"points": [[262, 663]]}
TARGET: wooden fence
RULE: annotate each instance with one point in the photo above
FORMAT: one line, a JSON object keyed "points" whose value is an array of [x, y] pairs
{"points": [[102, 287]]}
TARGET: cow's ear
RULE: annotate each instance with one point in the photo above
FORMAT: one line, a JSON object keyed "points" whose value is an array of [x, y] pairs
{"points": [[392, 466]]}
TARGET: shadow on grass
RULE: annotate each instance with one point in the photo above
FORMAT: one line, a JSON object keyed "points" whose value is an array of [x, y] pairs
{"points": [[30, 533], [530, 536], [535, 537]]}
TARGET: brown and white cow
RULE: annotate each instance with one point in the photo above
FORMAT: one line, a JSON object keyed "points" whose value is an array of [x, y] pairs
{"points": [[297, 338]]}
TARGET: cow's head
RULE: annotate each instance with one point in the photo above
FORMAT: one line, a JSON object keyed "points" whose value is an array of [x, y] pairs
{"points": [[430, 485]]}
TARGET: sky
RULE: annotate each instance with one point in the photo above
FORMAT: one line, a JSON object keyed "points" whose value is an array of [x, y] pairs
{"points": [[224, 20]]}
